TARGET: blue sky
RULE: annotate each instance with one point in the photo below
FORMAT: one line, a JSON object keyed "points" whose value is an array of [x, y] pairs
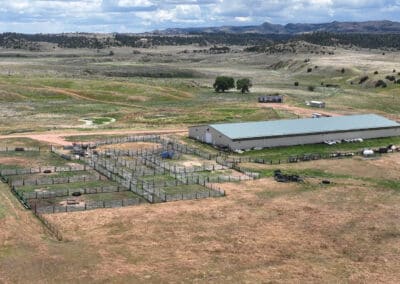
{"points": [[51, 16]]}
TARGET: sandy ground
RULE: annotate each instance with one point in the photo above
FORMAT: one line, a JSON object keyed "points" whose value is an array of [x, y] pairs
{"points": [[59, 137]]}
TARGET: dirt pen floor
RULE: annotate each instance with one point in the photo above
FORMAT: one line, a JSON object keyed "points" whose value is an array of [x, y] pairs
{"points": [[132, 146]]}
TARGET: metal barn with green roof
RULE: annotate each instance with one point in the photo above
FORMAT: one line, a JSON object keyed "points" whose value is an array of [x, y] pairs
{"points": [[265, 134]]}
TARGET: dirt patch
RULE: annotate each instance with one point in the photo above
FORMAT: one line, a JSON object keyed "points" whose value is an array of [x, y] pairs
{"points": [[301, 112], [77, 203], [192, 164], [13, 161], [133, 146]]}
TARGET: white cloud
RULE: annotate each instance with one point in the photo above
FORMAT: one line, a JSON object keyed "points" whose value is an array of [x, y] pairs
{"points": [[141, 15]]}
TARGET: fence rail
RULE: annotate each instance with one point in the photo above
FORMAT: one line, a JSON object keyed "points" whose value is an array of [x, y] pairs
{"points": [[88, 205], [13, 172], [55, 180], [68, 192], [8, 148]]}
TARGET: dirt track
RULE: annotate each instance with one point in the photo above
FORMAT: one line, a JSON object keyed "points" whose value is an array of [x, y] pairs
{"points": [[59, 138], [301, 112]]}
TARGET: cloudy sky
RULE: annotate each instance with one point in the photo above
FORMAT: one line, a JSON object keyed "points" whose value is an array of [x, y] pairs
{"points": [[48, 16]]}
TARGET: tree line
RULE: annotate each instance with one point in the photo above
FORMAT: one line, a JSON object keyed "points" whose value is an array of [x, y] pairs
{"points": [[254, 42]]}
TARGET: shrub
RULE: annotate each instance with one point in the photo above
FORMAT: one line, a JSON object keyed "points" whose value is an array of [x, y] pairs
{"points": [[376, 72], [390, 78], [342, 70], [309, 70], [398, 81], [363, 79], [311, 88], [296, 84], [380, 83]]}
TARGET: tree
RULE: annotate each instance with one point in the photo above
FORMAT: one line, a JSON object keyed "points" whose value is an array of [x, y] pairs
{"points": [[223, 83], [244, 85]]}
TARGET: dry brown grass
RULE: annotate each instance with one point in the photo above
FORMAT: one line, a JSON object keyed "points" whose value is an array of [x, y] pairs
{"points": [[262, 231], [384, 167]]}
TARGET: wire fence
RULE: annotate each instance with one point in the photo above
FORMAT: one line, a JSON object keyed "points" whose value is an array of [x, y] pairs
{"points": [[31, 181], [7, 148], [46, 194], [46, 169], [128, 139], [51, 227], [84, 206]]}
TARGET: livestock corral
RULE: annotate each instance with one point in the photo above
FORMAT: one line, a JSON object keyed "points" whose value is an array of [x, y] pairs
{"points": [[98, 175]]}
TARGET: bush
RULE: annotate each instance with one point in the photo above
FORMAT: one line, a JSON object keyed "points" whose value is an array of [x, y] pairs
{"points": [[391, 78], [296, 84], [311, 88], [363, 79], [394, 70], [398, 81], [376, 72], [380, 83], [342, 70], [309, 70]]}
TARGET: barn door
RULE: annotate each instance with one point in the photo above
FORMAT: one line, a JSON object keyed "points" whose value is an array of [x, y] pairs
{"points": [[208, 138]]}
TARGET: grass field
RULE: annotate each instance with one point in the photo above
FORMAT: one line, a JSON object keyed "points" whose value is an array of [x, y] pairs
{"points": [[31, 159], [262, 231]]}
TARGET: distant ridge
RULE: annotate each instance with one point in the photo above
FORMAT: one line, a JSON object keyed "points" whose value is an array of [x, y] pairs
{"points": [[374, 27]]}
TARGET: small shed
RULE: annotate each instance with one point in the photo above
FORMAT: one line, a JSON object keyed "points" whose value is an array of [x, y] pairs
{"points": [[317, 104], [271, 99]]}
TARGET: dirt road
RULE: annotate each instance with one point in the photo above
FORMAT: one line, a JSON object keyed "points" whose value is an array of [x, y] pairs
{"points": [[301, 112], [59, 138]]}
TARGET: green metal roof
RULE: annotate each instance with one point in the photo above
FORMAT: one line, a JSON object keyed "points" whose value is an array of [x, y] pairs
{"points": [[248, 130]]}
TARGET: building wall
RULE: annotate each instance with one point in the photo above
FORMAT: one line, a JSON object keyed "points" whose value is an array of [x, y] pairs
{"points": [[199, 133], [312, 139]]}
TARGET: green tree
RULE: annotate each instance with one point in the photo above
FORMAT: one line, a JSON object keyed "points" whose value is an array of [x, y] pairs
{"points": [[223, 83], [244, 85]]}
